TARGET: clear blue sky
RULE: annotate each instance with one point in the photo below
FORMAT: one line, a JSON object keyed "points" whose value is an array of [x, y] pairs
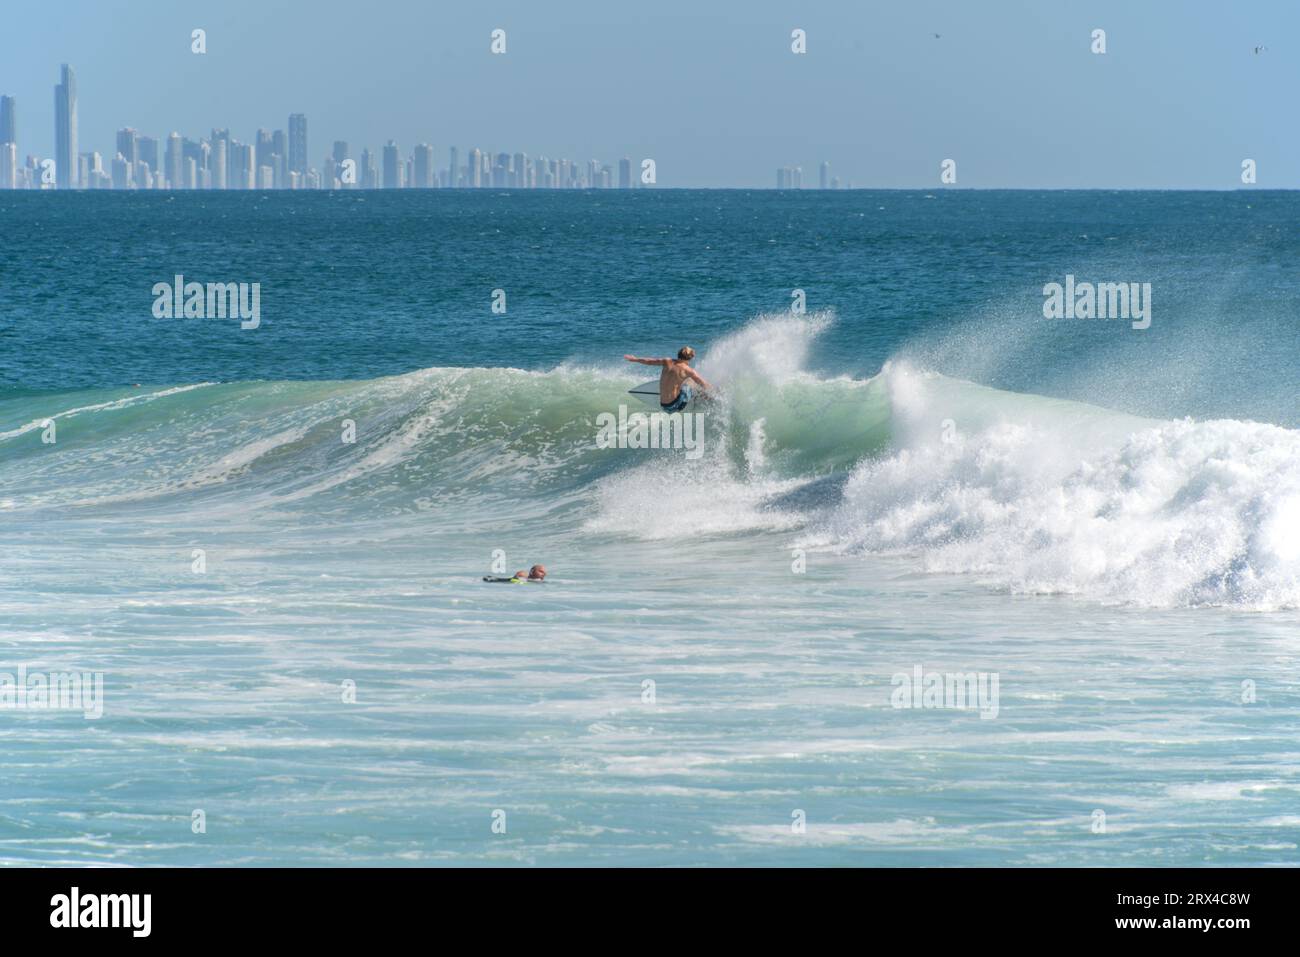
{"points": [[710, 90]]}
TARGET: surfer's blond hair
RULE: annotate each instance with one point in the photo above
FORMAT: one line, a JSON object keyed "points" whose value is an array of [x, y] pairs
{"points": [[685, 353]]}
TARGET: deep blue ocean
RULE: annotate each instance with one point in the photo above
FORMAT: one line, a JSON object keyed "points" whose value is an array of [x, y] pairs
{"points": [[270, 541]]}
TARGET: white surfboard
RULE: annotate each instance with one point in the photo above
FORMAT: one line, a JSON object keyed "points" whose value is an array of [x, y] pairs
{"points": [[647, 392]]}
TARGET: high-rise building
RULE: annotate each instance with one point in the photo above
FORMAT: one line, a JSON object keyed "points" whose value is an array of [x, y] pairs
{"points": [[297, 152], [126, 144], [519, 179], [8, 120], [422, 167], [280, 159], [453, 167], [625, 173], [392, 162], [147, 152], [824, 178], [65, 130], [221, 159], [8, 165], [366, 175], [474, 168], [334, 169], [174, 169], [90, 170], [241, 165], [123, 174], [198, 152], [263, 147]]}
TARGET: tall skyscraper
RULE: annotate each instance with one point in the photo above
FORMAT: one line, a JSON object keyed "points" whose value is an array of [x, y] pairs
{"points": [[65, 130], [297, 154], [422, 167], [8, 120], [196, 150], [333, 169], [90, 171], [175, 162], [262, 150], [147, 152], [279, 159], [241, 165], [453, 167], [824, 180], [474, 168], [392, 162], [123, 172], [220, 163], [367, 177], [8, 165], [222, 160], [126, 144]]}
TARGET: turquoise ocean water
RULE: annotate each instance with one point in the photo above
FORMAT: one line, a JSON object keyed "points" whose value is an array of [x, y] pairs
{"points": [[919, 471]]}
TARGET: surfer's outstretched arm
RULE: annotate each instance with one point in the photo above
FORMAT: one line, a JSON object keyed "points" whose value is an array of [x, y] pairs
{"points": [[647, 362], [700, 379]]}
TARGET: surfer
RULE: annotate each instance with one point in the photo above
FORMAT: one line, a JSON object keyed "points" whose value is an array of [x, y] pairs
{"points": [[675, 391], [535, 574]]}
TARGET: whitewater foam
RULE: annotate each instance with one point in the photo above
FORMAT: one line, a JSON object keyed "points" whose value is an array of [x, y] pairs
{"points": [[1040, 496]]}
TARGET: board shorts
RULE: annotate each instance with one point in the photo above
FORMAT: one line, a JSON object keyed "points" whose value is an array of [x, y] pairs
{"points": [[683, 399]]}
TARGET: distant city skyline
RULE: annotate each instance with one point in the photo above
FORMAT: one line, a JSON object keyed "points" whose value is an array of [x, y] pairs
{"points": [[1012, 91], [276, 160]]}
